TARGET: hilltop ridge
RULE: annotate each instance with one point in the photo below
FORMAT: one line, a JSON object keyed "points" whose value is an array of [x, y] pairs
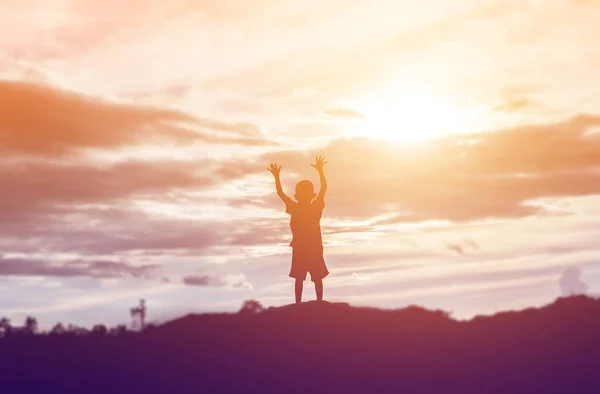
{"points": [[321, 347]]}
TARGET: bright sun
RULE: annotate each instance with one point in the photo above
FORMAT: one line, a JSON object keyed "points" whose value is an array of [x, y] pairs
{"points": [[411, 117]]}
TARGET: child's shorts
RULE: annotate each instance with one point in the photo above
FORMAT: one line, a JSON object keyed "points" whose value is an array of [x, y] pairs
{"points": [[308, 259]]}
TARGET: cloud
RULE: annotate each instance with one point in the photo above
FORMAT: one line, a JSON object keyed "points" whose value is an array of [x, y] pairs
{"points": [[463, 246], [34, 189], [52, 199], [571, 282], [363, 277], [122, 231], [497, 175], [344, 113], [204, 280], [75, 268], [458, 248], [95, 210], [584, 2], [115, 230], [23, 70], [237, 281], [515, 99], [42, 120]]}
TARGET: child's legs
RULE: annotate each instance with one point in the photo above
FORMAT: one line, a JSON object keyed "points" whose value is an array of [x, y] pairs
{"points": [[298, 287], [318, 271], [319, 288], [298, 272]]}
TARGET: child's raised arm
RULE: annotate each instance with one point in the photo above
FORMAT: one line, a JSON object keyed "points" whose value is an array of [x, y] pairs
{"points": [[320, 162], [275, 170]]}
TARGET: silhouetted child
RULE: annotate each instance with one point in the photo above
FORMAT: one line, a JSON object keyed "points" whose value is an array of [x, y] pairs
{"points": [[307, 245]]}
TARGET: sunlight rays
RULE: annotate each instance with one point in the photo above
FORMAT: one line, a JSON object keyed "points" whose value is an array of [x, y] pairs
{"points": [[408, 115]]}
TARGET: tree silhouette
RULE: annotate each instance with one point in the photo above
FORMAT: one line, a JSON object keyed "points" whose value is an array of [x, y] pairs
{"points": [[58, 329], [119, 330], [5, 326], [31, 325], [99, 330], [76, 330], [251, 306]]}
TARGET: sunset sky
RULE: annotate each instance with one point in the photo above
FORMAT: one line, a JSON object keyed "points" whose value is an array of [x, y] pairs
{"points": [[463, 141]]}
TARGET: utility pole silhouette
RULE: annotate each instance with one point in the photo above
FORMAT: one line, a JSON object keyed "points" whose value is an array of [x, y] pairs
{"points": [[138, 316]]}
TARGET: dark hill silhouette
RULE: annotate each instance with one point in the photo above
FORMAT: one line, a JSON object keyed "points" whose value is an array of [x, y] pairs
{"points": [[324, 348]]}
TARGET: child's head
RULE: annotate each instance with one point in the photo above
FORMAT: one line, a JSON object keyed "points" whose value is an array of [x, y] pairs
{"points": [[305, 192]]}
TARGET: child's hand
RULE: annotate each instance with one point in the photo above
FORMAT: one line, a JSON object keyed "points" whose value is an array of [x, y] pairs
{"points": [[319, 163], [274, 169]]}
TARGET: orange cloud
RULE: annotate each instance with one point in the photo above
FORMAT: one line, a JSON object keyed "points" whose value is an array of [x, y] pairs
{"points": [[451, 178], [39, 119], [34, 187]]}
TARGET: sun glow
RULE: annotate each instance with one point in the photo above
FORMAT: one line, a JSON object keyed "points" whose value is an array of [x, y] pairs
{"points": [[410, 117]]}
